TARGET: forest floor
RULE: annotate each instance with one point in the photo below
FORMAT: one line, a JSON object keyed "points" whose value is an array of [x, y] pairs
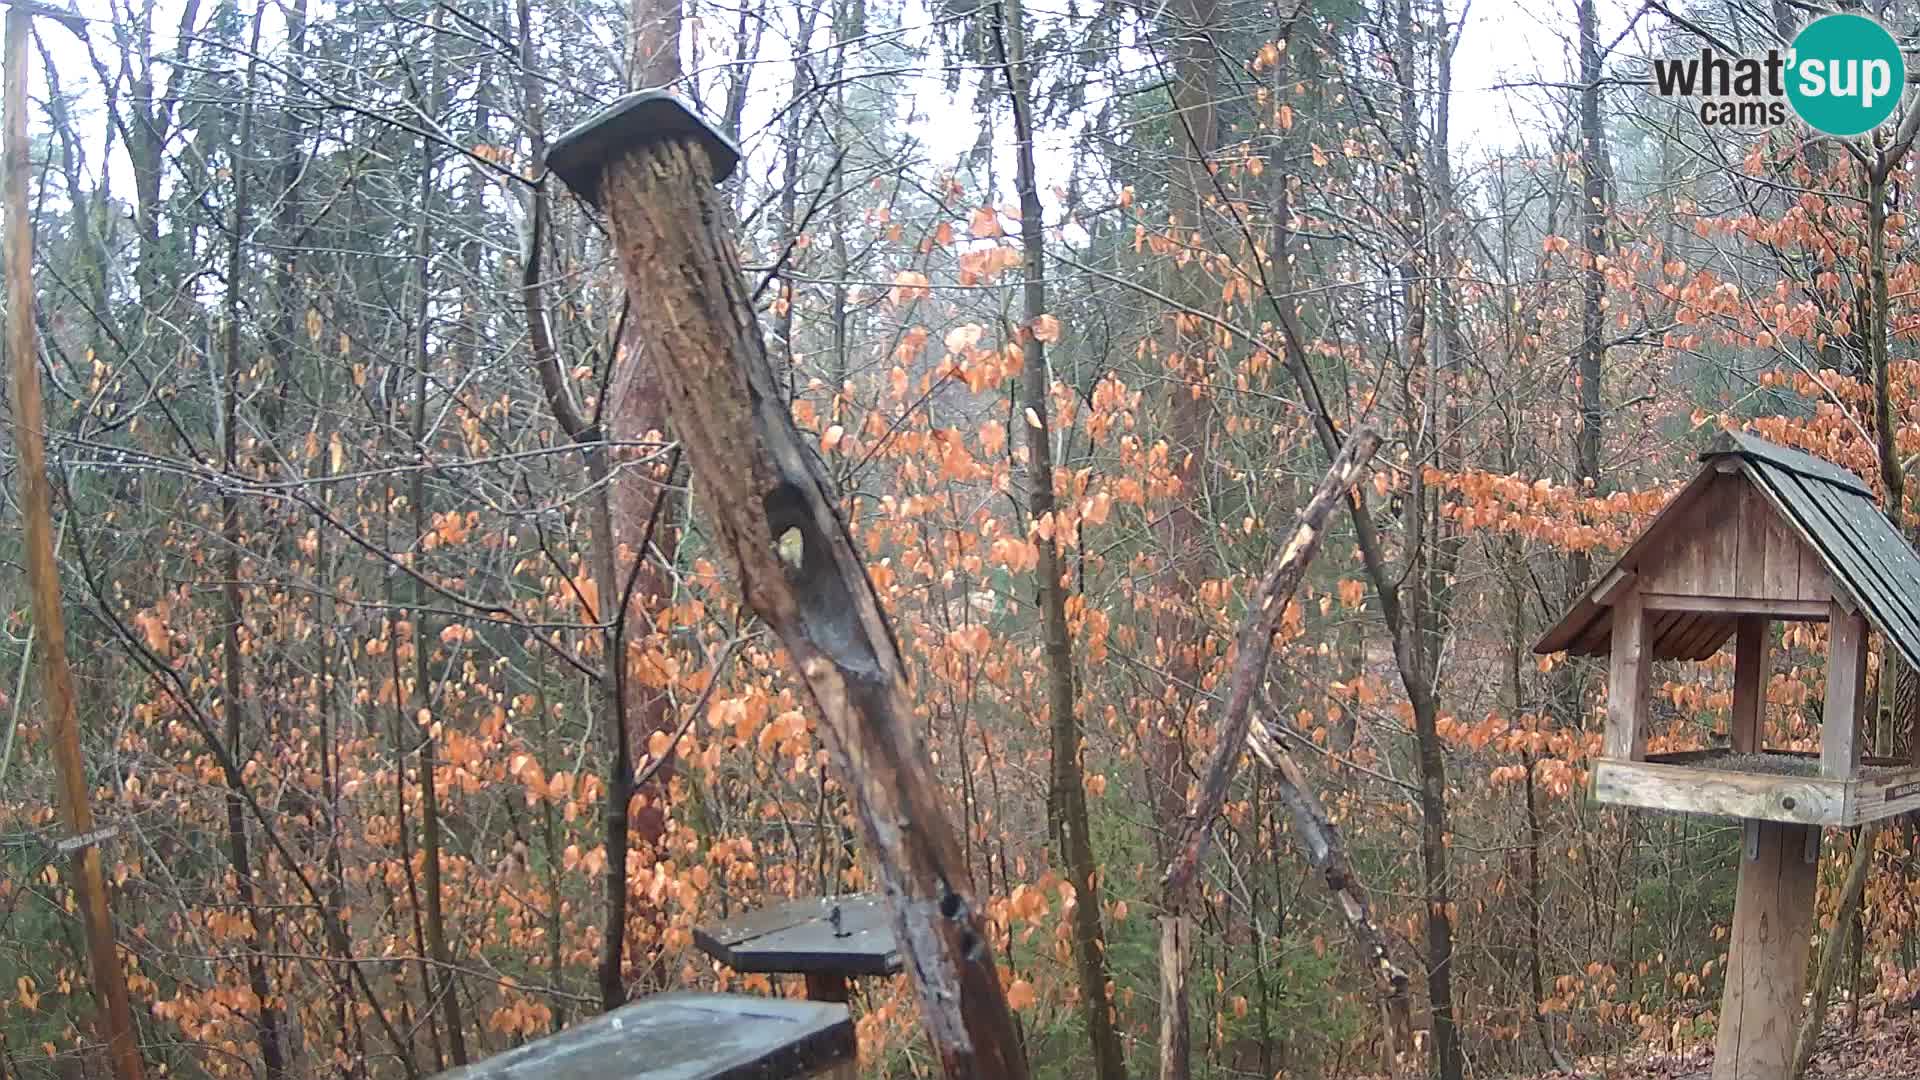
{"points": [[1883, 1047]]}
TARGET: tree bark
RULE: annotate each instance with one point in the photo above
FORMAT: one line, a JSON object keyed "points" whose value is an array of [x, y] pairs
{"points": [[443, 986], [764, 481], [1066, 788]]}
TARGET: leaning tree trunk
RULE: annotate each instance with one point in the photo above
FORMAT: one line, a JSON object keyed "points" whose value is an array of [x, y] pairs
{"points": [[653, 165], [1180, 881]]}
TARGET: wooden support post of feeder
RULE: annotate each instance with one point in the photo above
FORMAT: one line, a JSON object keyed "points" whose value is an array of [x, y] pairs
{"points": [[652, 165], [1841, 727], [1767, 950]]}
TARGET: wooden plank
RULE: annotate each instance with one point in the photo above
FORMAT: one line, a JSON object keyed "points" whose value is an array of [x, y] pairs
{"points": [[1754, 517], [1596, 638], [1750, 655], [1692, 789], [1628, 668], [1767, 955], [1797, 610], [1816, 581], [1784, 550], [1707, 638], [1719, 538], [1679, 567], [1665, 634], [1888, 796], [684, 1036], [1842, 723], [1613, 584]]}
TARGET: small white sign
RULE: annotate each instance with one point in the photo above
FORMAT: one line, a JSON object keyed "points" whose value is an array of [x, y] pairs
{"points": [[74, 843]]}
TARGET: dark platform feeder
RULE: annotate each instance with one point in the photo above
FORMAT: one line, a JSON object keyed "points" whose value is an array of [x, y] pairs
{"points": [[687, 1036], [826, 939], [580, 155], [1763, 533]]}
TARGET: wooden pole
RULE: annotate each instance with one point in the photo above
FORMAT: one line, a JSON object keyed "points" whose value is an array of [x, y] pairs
{"points": [[652, 165], [43, 575], [1767, 957]]}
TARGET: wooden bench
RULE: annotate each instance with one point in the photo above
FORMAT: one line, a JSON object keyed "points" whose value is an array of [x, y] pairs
{"points": [[687, 1036]]}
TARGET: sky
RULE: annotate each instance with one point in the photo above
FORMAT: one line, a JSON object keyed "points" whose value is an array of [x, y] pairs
{"points": [[1507, 50]]}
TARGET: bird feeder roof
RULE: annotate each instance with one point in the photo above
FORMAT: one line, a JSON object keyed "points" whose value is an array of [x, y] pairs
{"points": [[1831, 513]]}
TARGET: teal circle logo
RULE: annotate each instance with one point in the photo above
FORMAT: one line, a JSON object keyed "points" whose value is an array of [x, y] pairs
{"points": [[1846, 75]]}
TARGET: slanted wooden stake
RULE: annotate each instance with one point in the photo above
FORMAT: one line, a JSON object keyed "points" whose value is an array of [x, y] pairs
{"points": [[43, 575], [651, 164]]}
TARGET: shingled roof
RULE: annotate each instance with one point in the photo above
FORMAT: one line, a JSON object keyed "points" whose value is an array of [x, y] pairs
{"points": [[1828, 508]]}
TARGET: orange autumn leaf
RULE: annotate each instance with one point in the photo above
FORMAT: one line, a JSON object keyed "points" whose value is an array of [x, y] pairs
{"points": [[985, 224], [1021, 995], [908, 286]]}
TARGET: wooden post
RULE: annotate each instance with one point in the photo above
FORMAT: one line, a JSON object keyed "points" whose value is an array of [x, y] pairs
{"points": [[826, 986], [43, 574], [1767, 957], [652, 164], [1747, 727], [1629, 664], [1840, 721]]}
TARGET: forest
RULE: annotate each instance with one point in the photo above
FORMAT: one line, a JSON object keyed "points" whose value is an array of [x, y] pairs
{"points": [[1219, 399]]}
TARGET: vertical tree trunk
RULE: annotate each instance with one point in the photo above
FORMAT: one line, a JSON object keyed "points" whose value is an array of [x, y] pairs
{"points": [[1066, 788], [1899, 684], [233, 681], [1419, 657], [1182, 549], [645, 523], [442, 986]]}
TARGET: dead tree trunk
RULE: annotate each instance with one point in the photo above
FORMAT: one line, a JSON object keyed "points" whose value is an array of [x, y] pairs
{"points": [[1180, 881], [652, 165]]}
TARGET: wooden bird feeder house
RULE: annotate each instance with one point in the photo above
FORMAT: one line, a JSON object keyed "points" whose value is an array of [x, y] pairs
{"points": [[1762, 534]]}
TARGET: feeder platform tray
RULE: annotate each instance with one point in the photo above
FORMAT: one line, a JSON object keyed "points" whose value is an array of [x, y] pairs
{"points": [[1772, 785], [826, 939]]}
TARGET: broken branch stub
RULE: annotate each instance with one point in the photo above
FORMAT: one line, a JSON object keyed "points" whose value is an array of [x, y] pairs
{"points": [[651, 165]]}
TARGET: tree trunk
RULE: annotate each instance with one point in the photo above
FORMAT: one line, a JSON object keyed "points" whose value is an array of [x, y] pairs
{"points": [[765, 481], [443, 987], [1179, 535], [1066, 789], [233, 679]]}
